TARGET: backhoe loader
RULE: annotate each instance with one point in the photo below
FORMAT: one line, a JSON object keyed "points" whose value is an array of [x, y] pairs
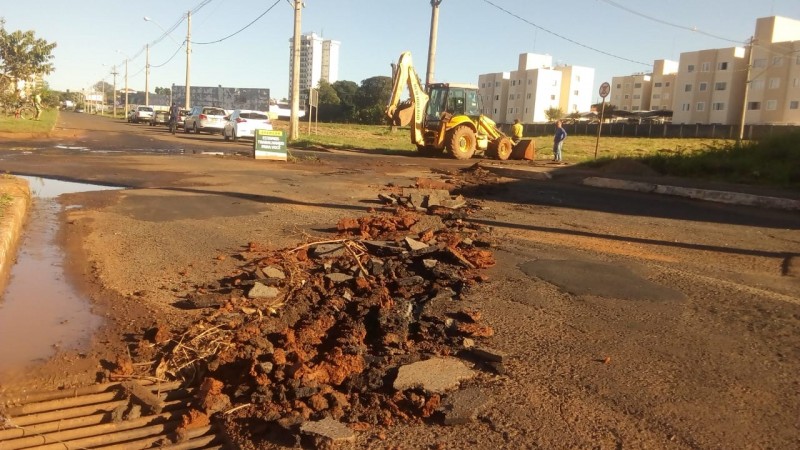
{"points": [[445, 117]]}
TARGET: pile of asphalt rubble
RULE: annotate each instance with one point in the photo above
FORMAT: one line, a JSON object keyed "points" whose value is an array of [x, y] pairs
{"points": [[339, 336]]}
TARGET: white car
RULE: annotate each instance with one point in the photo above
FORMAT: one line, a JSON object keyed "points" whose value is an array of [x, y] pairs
{"points": [[243, 123]]}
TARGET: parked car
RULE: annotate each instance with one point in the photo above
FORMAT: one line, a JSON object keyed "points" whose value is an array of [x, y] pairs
{"points": [[182, 117], [243, 123], [159, 118], [210, 119], [130, 115], [142, 113]]}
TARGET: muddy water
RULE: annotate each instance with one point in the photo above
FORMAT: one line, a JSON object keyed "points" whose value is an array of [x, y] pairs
{"points": [[40, 311]]}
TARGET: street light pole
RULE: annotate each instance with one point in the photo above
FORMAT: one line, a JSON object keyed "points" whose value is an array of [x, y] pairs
{"points": [[114, 94], [188, 102], [294, 124], [147, 76]]}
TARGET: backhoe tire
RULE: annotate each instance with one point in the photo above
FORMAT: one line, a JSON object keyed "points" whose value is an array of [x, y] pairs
{"points": [[462, 142], [501, 148]]}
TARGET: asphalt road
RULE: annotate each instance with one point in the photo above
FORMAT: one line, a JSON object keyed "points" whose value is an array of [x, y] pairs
{"points": [[630, 320]]}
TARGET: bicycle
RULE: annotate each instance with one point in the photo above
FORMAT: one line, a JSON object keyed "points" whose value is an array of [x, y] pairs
{"points": [[20, 109]]}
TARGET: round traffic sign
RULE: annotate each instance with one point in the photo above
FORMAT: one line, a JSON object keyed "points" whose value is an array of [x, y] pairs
{"points": [[605, 88]]}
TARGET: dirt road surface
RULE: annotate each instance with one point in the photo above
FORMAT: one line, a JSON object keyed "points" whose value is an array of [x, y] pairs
{"points": [[628, 320]]}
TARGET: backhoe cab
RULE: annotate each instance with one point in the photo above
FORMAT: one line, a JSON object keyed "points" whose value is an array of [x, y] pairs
{"points": [[446, 117]]}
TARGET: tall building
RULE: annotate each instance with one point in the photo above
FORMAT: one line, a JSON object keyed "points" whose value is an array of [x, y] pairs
{"points": [[536, 86], [774, 94], [709, 87], [665, 72], [632, 92], [319, 60]]}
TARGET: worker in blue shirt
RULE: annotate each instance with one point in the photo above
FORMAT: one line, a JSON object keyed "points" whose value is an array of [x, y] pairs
{"points": [[558, 141]]}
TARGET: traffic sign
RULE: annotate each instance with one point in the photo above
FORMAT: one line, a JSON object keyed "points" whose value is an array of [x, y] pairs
{"points": [[605, 88]]}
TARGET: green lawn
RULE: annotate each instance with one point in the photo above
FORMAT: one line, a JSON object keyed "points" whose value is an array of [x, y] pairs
{"points": [[44, 125]]}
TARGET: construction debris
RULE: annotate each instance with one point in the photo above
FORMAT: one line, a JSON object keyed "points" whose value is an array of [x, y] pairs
{"points": [[360, 330]]}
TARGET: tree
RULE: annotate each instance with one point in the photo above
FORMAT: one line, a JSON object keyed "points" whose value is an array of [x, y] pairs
{"points": [[553, 114], [372, 98], [328, 102], [23, 56], [163, 91], [346, 91]]}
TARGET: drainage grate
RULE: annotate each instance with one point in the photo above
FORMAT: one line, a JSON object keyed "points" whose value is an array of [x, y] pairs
{"points": [[116, 416]]}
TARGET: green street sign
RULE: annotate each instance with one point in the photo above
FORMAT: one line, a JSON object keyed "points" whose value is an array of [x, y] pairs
{"points": [[270, 144]]}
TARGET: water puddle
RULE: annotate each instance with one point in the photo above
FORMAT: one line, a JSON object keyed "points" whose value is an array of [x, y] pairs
{"points": [[40, 311]]}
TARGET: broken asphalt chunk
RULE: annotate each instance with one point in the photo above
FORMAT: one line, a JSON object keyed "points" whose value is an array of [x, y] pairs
{"points": [[462, 407], [434, 375], [328, 433]]}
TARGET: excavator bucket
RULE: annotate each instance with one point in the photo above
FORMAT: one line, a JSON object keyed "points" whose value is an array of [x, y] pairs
{"points": [[404, 114], [524, 149]]}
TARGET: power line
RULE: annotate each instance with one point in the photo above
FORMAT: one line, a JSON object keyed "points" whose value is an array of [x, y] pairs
{"points": [[564, 37], [664, 22], [170, 58], [240, 30]]}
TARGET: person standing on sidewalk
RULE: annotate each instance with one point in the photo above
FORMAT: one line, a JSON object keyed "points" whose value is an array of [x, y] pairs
{"points": [[558, 141]]}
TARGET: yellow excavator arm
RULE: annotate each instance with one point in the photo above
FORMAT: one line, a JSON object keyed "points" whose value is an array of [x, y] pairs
{"points": [[406, 76]]}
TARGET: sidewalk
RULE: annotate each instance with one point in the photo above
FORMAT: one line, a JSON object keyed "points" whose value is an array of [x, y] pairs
{"points": [[712, 191]]}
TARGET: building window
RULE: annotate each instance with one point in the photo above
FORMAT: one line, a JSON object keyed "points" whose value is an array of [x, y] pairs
{"points": [[687, 88], [794, 104], [637, 85], [797, 61], [513, 82], [511, 110], [496, 84], [753, 106], [657, 85], [635, 108], [637, 96], [529, 96], [760, 62], [666, 84], [511, 97], [772, 105], [578, 78], [552, 97], [656, 96], [690, 68], [796, 82], [619, 86], [575, 92], [777, 61], [625, 108], [654, 106], [703, 86], [720, 86], [757, 84], [722, 66], [718, 106], [627, 96], [706, 67], [497, 97], [701, 106], [774, 83], [627, 86], [685, 107]]}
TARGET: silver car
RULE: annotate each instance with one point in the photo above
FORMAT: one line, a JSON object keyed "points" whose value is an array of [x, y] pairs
{"points": [[210, 119]]}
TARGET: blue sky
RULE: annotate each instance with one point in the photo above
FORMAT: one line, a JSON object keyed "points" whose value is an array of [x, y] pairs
{"points": [[475, 36]]}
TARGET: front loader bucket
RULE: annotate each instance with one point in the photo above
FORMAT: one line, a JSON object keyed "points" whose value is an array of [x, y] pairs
{"points": [[524, 149]]}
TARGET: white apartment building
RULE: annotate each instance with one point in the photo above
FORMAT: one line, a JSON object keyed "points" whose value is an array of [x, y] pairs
{"points": [[536, 86], [665, 72], [709, 87], [774, 93], [319, 60]]}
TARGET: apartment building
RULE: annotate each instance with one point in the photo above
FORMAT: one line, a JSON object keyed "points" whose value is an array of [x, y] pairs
{"points": [[774, 93], [709, 87], [631, 92], [663, 79], [319, 60], [536, 86]]}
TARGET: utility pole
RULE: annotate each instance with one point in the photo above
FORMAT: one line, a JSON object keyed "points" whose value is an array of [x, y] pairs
{"points": [[114, 94], [746, 90], [294, 123], [432, 42], [188, 102], [147, 77], [126, 87]]}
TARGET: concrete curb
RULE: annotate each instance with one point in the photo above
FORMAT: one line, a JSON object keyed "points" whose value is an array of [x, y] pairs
{"points": [[734, 198], [518, 172], [12, 219]]}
